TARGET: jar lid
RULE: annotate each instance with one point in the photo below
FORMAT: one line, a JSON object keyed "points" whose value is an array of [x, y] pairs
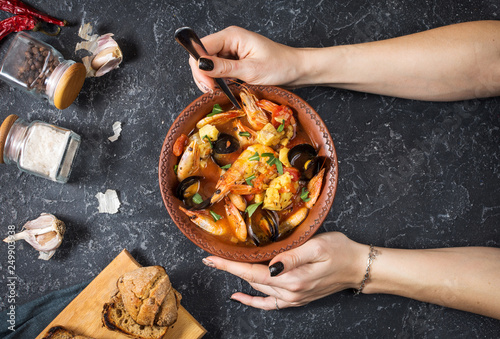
{"points": [[4, 132], [69, 85]]}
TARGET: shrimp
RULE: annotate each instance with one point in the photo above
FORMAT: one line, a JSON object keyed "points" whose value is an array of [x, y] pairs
{"points": [[241, 169], [190, 161], [203, 220], [280, 114], [221, 118], [255, 115], [245, 190], [244, 140], [235, 220], [238, 201], [314, 188], [293, 221]]}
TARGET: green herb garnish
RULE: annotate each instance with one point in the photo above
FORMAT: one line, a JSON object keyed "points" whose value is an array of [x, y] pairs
{"points": [[273, 161], [249, 179], [197, 199], [215, 110], [254, 157], [282, 126], [207, 138], [226, 166], [252, 208], [215, 216], [304, 195], [244, 134], [175, 169], [279, 166]]}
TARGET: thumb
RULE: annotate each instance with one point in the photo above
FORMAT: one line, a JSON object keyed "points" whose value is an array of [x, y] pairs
{"points": [[289, 260], [219, 67]]}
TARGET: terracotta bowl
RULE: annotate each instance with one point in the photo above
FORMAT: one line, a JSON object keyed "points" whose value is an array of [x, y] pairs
{"points": [[186, 122]]}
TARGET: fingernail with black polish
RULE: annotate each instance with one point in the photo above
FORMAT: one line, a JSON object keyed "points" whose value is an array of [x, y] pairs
{"points": [[276, 268], [205, 64]]}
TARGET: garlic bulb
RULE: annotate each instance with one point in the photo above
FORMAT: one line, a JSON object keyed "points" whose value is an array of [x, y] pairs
{"points": [[106, 54], [45, 234]]}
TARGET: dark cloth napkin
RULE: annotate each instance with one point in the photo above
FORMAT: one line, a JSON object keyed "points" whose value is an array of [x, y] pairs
{"points": [[32, 317]]}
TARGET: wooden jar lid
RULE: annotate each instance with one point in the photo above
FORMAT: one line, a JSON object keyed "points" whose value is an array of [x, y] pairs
{"points": [[69, 85], [4, 132]]}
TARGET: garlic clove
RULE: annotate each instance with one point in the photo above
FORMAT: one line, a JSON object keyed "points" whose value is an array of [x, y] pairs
{"points": [[105, 56], [45, 234], [107, 60]]}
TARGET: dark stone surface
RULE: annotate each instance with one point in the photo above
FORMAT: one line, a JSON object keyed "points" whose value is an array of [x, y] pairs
{"points": [[412, 174]]}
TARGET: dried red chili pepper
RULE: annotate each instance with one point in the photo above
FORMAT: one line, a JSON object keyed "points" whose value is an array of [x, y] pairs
{"points": [[16, 24], [18, 7]]}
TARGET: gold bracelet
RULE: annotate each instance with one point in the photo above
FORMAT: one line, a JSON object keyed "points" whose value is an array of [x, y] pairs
{"points": [[371, 256]]}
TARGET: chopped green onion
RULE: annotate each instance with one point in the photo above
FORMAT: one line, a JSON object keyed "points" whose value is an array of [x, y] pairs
{"points": [[304, 195], [254, 157], [252, 208], [244, 134], [215, 216], [175, 169], [282, 126], [226, 166], [215, 110], [197, 199], [249, 179]]}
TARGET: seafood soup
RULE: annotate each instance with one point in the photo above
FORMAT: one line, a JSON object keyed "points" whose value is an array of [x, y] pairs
{"points": [[248, 176]]}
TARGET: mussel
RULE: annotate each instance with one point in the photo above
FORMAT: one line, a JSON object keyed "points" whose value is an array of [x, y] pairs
{"points": [[225, 149], [187, 190], [262, 226], [305, 158]]}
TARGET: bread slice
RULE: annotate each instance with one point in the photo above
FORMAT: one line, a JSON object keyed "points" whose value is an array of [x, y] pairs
{"points": [[59, 332], [116, 318]]}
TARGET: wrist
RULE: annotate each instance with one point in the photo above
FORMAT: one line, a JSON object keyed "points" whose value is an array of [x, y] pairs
{"points": [[322, 66], [372, 255]]}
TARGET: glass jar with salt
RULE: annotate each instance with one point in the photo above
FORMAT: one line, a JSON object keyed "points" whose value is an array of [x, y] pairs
{"points": [[39, 69], [38, 148]]}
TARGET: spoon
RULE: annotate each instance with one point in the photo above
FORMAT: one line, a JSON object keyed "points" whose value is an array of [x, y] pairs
{"points": [[188, 39]]}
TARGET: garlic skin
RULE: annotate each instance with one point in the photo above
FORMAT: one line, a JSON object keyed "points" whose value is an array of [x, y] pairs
{"points": [[106, 54], [45, 234]]}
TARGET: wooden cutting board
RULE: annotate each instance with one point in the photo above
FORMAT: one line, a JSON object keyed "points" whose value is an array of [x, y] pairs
{"points": [[83, 314]]}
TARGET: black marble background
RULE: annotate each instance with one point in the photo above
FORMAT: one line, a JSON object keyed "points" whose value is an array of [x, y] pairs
{"points": [[412, 174]]}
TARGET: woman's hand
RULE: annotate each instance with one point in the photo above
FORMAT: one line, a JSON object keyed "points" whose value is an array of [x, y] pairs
{"points": [[238, 53], [327, 263]]}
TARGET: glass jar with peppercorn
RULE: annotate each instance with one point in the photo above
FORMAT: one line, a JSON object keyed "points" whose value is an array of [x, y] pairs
{"points": [[38, 148], [40, 69]]}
